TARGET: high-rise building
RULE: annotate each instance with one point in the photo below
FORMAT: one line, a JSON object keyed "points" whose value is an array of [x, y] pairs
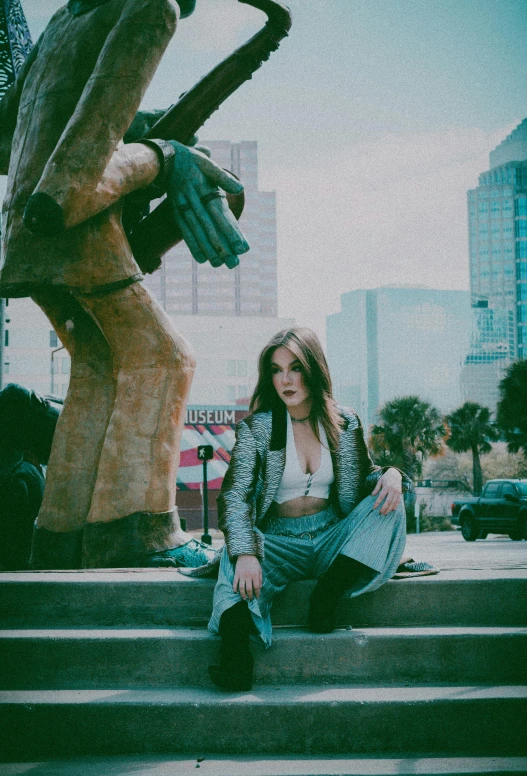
{"points": [[492, 348], [186, 288], [391, 342], [497, 218]]}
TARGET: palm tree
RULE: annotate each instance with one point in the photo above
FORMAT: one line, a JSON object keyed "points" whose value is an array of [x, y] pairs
{"points": [[512, 407], [409, 431], [471, 428]]}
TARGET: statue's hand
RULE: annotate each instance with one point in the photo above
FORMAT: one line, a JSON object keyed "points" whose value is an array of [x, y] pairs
{"points": [[200, 208]]}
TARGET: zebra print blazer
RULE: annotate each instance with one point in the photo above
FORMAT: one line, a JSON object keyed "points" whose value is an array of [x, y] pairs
{"points": [[256, 468]]}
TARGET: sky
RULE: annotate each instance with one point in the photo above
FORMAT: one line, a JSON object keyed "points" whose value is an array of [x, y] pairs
{"points": [[373, 119]]}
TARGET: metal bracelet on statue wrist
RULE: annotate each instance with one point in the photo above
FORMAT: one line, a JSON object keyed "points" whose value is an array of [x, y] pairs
{"points": [[165, 153]]}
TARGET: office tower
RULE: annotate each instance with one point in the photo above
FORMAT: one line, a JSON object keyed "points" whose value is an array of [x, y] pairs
{"points": [[33, 355], [497, 218], [186, 288], [392, 342], [492, 348]]}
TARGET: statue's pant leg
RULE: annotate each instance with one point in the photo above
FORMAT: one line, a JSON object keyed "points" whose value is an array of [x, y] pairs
{"points": [[79, 436], [112, 471], [132, 507]]}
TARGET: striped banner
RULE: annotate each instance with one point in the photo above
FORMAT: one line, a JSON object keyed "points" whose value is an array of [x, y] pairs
{"points": [[190, 473]]}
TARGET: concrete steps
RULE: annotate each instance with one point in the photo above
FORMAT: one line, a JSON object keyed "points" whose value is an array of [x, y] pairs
{"points": [[273, 766], [159, 657], [142, 598], [305, 719], [114, 664]]}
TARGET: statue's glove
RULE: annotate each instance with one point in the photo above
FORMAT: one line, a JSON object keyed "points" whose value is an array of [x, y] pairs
{"points": [[200, 208]]}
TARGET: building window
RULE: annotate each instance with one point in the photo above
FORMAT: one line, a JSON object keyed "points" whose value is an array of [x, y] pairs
{"points": [[520, 207], [6, 338], [521, 228], [231, 368], [522, 270], [242, 368], [53, 339], [231, 393], [522, 313], [522, 292], [243, 392], [521, 252], [6, 368]]}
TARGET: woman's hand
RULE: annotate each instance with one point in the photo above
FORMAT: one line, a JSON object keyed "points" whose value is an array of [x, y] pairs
{"points": [[389, 488], [248, 577]]}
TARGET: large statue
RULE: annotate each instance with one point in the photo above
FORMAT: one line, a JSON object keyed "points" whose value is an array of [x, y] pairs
{"points": [[110, 494]]}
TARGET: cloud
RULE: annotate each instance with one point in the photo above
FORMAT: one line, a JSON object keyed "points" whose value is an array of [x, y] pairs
{"points": [[387, 211], [219, 26]]}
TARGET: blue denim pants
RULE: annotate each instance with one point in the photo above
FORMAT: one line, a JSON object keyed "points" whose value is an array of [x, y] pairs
{"points": [[304, 548]]}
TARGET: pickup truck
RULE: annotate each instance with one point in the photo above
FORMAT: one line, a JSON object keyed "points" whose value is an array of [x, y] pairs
{"points": [[501, 508]]}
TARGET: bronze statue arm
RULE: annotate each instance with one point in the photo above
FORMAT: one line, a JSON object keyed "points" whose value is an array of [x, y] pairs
{"points": [[83, 156]]}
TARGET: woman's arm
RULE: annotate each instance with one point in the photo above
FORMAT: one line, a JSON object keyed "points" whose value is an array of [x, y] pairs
{"points": [[236, 502], [9, 105]]}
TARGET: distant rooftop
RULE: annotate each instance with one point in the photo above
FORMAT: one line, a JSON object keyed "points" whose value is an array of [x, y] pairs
{"points": [[512, 149]]}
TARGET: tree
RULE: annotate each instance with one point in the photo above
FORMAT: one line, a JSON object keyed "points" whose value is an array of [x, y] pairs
{"points": [[496, 465], [409, 431], [471, 429], [512, 407]]}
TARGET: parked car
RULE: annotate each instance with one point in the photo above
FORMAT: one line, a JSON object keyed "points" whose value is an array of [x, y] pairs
{"points": [[501, 508]]}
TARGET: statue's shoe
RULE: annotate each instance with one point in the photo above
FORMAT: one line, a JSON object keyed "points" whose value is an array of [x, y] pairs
{"points": [[190, 555]]}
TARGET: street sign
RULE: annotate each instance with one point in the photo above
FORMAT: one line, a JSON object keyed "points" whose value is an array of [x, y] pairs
{"points": [[205, 452]]}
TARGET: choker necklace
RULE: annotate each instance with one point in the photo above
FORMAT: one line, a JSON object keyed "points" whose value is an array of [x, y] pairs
{"points": [[300, 420]]}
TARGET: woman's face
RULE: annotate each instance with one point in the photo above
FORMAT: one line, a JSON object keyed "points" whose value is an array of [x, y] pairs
{"points": [[288, 379]]}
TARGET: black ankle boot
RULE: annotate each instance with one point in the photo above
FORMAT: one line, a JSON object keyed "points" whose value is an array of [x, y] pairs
{"points": [[235, 671], [340, 576]]}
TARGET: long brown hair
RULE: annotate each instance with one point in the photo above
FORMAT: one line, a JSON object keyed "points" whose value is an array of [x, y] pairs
{"points": [[305, 345]]}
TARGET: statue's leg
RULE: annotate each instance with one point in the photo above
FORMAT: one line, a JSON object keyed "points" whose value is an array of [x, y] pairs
{"points": [[79, 436], [133, 505]]}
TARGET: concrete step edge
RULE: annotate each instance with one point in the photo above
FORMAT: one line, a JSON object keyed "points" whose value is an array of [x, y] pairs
{"points": [[274, 766], [270, 695], [280, 633]]}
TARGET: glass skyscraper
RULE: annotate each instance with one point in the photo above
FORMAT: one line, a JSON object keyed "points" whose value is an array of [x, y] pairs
{"points": [[497, 219], [392, 342]]}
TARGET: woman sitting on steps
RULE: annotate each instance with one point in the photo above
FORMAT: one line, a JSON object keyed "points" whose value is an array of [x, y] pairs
{"points": [[301, 499]]}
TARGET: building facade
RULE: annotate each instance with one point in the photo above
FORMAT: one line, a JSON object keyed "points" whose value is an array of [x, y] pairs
{"points": [[492, 349], [391, 342], [33, 355], [497, 222]]}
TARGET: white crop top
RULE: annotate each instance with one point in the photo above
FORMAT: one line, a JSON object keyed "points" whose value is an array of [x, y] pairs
{"points": [[295, 482]]}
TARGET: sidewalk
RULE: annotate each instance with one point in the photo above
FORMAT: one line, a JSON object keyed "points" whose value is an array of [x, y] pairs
{"points": [[448, 550]]}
